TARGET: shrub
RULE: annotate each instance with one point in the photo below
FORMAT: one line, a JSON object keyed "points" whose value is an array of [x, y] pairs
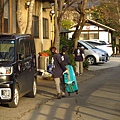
{"points": [[86, 64]]}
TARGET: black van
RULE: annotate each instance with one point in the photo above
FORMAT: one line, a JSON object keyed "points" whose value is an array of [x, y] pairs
{"points": [[18, 74]]}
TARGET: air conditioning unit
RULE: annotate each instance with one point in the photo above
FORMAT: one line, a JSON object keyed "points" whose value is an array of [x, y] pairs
{"points": [[44, 62]]}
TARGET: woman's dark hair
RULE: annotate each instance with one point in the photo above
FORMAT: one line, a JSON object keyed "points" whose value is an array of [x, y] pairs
{"points": [[78, 45], [64, 49], [53, 49]]}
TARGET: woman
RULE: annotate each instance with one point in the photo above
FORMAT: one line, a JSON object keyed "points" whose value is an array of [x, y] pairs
{"points": [[66, 61], [57, 70], [79, 59]]}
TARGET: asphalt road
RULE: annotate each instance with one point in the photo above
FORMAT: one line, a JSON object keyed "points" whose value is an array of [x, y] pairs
{"points": [[114, 61], [98, 98]]}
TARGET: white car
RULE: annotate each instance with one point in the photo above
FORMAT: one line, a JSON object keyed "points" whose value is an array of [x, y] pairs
{"points": [[101, 45]]}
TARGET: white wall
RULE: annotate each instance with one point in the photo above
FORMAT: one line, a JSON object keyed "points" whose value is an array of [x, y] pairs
{"points": [[103, 35]]}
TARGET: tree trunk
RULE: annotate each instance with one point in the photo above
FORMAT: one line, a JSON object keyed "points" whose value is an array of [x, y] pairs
{"points": [[58, 17], [79, 31], [19, 18], [118, 10], [22, 28], [80, 24], [29, 20], [57, 37]]}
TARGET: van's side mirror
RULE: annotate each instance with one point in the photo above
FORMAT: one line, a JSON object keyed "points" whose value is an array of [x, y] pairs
{"points": [[21, 56]]}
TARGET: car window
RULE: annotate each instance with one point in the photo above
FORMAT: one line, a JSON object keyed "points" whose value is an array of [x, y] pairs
{"points": [[103, 42], [7, 52], [25, 48], [22, 47], [91, 43], [94, 43]]}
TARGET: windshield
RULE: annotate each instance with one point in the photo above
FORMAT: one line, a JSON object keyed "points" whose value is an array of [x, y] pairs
{"points": [[87, 45], [7, 50], [93, 47]]}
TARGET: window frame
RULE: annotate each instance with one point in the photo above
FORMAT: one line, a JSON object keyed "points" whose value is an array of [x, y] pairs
{"points": [[45, 28], [35, 26]]}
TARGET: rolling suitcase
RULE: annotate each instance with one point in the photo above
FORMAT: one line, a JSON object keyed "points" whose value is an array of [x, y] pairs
{"points": [[71, 85]]}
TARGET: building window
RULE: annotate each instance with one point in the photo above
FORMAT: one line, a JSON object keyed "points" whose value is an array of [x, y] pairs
{"points": [[96, 36], [5, 25], [93, 36], [17, 28], [0, 25], [35, 26], [45, 28], [83, 36]]}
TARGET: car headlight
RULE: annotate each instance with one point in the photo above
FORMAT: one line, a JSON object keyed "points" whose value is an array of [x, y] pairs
{"points": [[98, 52], [5, 93], [6, 70]]}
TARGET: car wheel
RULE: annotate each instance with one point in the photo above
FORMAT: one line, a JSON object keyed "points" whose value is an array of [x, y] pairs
{"points": [[16, 96], [32, 94], [91, 60]]}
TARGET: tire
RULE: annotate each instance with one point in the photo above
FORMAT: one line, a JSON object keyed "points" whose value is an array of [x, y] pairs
{"points": [[33, 93], [91, 60], [16, 97]]}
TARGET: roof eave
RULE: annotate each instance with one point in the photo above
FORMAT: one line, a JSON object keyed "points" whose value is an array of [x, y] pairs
{"points": [[101, 25]]}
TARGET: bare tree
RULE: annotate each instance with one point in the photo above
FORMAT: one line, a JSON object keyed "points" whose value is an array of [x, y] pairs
{"points": [[80, 9], [60, 7], [76, 5]]}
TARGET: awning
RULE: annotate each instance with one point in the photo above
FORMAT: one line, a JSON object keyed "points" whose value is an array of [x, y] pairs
{"points": [[63, 30]]}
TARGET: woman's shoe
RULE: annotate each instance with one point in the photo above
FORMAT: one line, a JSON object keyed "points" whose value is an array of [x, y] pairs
{"points": [[63, 94], [59, 96]]}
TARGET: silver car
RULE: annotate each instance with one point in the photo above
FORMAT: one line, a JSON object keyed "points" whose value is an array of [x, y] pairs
{"points": [[92, 54]]}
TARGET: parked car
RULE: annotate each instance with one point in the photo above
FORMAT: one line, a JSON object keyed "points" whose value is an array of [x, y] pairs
{"points": [[92, 55], [18, 74], [105, 53], [102, 45]]}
